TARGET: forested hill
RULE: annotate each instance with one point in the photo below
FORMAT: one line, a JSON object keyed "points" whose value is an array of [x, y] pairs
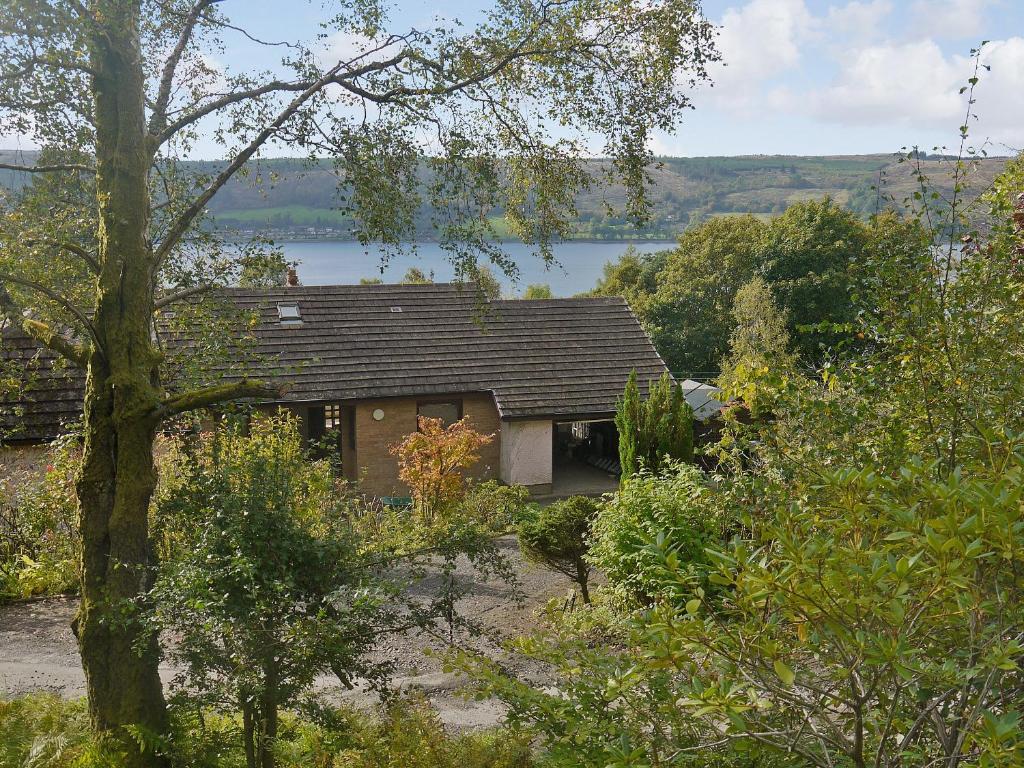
{"points": [[292, 199]]}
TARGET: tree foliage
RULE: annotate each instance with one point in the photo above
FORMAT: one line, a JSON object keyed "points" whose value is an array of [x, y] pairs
{"points": [[558, 537], [538, 291], [864, 608], [685, 297], [269, 579], [654, 430], [807, 256], [431, 462]]}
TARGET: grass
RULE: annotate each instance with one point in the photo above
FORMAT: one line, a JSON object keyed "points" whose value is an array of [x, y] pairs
{"points": [[44, 731], [294, 215]]}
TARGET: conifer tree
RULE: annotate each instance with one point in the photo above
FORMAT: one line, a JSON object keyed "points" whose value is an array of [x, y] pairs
{"points": [[627, 421], [654, 430]]}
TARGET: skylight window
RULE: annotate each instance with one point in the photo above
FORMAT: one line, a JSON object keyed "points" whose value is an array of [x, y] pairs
{"points": [[396, 309], [289, 313]]}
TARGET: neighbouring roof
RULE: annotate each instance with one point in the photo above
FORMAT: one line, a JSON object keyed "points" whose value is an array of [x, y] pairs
{"points": [[50, 393], [702, 398], [555, 358]]}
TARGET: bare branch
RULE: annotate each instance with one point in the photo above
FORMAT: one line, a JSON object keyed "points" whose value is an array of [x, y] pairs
{"points": [[221, 393], [158, 121]]}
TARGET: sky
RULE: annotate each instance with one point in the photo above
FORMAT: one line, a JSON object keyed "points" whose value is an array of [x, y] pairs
{"points": [[799, 76]]}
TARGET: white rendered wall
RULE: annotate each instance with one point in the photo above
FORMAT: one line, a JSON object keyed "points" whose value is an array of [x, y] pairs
{"points": [[526, 452]]}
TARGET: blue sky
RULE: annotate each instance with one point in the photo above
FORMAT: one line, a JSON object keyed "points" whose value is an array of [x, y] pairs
{"points": [[805, 76]]}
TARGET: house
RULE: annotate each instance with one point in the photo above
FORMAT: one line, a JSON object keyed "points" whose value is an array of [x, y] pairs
{"points": [[362, 363]]}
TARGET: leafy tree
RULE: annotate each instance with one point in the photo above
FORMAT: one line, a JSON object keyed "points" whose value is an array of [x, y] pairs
{"points": [[634, 277], [371, 281], [689, 313], [558, 537], [653, 430], [807, 256], [683, 296], [116, 92], [431, 462], [416, 276], [760, 338], [261, 596], [538, 291], [267, 584]]}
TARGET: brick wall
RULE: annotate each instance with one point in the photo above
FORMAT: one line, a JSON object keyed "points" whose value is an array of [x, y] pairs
{"points": [[378, 469]]}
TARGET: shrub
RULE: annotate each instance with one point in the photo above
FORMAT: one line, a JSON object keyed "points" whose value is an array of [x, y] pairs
{"points": [[38, 530], [495, 505], [43, 731], [558, 537], [673, 507], [431, 462], [270, 590]]}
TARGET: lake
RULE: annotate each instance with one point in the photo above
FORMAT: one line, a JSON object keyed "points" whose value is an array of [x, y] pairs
{"points": [[340, 262]]}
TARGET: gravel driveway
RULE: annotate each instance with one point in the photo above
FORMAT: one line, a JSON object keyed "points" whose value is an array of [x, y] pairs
{"points": [[38, 651]]}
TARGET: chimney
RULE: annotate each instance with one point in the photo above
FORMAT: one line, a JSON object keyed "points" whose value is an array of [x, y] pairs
{"points": [[292, 281]]}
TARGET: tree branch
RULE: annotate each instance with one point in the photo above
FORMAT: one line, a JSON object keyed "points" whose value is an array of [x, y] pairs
{"points": [[51, 339], [43, 333], [54, 297], [202, 398], [189, 215], [48, 168], [184, 293], [77, 250], [158, 121]]}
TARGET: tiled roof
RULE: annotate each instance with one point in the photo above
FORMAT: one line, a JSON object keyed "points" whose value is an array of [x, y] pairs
{"points": [[50, 396], [540, 358]]}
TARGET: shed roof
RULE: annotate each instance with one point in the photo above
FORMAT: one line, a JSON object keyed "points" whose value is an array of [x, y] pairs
{"points": [[555, 358]]}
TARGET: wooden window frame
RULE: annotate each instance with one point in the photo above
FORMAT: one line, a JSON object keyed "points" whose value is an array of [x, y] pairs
{"points": [[457, 401]]}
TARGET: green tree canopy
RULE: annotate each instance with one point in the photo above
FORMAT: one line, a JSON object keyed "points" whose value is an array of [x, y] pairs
{"points": [[538, 291], [807, 256]]}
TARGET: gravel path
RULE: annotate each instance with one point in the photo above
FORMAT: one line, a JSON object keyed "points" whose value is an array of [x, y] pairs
{"points": [[38, 651]]}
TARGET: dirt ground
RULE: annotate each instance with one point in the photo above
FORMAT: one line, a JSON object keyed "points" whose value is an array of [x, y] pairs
{"points": [[38, 651]]}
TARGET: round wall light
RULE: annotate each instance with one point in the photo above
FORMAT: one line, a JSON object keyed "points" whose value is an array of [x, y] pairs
{"points": [[378, 415]]}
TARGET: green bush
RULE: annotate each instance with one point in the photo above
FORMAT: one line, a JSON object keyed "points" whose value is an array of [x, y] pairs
{"points": [[495, 505], [674, 508], [38, 531], [558, 537]]}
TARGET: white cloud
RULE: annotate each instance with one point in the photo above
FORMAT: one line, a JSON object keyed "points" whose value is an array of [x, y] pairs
{"points": [[916, 84], [758, 41], [892, 82], [948, 18]]}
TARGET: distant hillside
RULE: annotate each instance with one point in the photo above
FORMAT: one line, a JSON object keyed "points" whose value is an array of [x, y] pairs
{"points": [[292, 199]]}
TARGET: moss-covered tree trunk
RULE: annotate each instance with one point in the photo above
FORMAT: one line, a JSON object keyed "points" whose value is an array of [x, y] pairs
{"points": [[118, 476]]}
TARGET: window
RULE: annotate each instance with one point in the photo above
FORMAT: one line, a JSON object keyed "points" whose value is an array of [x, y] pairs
{"points": [[332, 417], [448, 411], [289, 313]]}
